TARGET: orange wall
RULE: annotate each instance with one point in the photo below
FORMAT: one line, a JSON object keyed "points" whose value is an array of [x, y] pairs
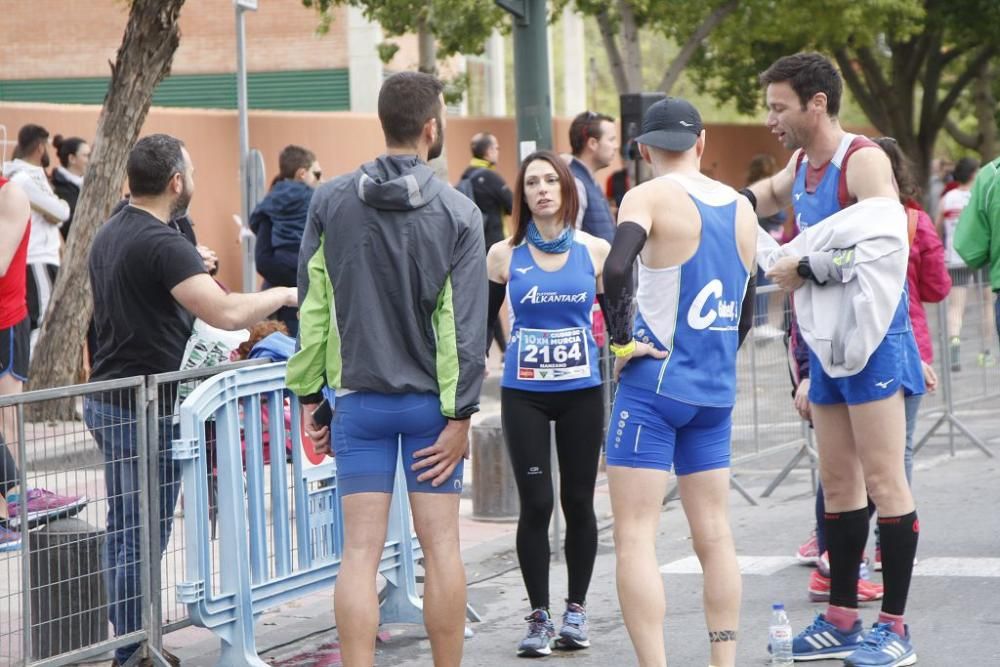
{"points": [[341, 141]]}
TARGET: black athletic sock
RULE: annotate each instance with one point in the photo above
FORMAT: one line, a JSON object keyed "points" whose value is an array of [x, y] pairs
{"points": [[846, 534], [899, 547]]}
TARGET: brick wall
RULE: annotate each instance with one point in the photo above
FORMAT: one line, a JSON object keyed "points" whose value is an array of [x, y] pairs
{"points": [[76, 38]]}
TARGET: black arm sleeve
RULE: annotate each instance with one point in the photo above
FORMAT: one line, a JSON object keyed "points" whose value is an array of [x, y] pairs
{"points": [[746, 311], [618, 282], [498, 291]]}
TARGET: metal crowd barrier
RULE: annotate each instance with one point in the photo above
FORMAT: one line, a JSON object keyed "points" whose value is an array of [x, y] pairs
{"points": [[299, 552], [54, 605], [966, 360]]}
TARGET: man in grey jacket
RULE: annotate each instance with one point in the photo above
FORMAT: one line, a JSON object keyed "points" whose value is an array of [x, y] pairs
{"points": [[392, 294]]}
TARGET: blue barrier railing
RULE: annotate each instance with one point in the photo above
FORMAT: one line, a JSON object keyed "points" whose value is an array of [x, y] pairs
{"points": [[265, 564]]}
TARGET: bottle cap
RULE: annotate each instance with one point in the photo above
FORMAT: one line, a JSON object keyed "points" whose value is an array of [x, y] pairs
{"points": [[777, 605]]}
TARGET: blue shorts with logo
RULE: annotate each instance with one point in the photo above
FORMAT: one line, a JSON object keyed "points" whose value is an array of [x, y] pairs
{"points": [[370, 429], [648, 430], [894, 365]]}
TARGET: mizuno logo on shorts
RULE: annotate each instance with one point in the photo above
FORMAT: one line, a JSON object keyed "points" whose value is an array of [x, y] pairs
{"points": [[885, 383]]}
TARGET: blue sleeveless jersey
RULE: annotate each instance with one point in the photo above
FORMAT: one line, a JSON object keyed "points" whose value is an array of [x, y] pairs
{"points": [[693, 310], [811, 208], [552, 346]]}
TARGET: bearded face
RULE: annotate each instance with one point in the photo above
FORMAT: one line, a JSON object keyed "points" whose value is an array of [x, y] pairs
{"points": [[438, 146]]}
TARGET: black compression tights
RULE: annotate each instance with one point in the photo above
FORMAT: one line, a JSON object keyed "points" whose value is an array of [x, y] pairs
{"points": [[579, 418]]}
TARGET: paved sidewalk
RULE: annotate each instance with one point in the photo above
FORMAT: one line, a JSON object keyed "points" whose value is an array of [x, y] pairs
{"points": [[953, 591]]}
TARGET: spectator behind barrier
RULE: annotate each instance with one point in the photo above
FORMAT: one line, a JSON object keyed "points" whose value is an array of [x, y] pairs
{"points": [[31, 159], [67, 178], [977, 237], [279, 220], [149, 284]]}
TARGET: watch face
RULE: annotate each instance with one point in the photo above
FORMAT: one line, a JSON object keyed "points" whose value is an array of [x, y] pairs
{"points": [[803, 269]]}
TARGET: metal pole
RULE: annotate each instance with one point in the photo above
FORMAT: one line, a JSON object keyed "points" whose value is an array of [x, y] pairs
{"points": [[22, 460], [531, 73], [246, 239]]}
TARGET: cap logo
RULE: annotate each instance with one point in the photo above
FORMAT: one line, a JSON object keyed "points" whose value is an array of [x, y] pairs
{"points": [[685, 123]]}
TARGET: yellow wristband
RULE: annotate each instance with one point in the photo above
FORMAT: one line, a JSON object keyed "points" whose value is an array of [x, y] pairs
{"points": [[623, 350]]}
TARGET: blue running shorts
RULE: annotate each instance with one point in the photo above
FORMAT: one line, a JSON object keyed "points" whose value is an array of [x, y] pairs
{"points": [[895, 363], [367, 432], [648, 430]]}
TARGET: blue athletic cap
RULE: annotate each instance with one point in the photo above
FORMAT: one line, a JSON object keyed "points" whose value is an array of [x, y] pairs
{"points": [[672, 124]]}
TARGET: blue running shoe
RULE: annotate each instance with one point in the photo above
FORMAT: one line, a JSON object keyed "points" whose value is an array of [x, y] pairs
{"points": [[883, 648], [538, 641], [822, 640], [573, 634]]}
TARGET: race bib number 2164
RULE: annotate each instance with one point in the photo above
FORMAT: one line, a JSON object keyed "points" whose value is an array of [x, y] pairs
{"points": [[560, 354]]}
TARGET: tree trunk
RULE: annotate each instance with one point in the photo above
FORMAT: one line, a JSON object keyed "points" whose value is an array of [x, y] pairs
{"points": [[426, 47], [609, 37], [632, 52], [986, 107], [152, 35], [693, 42]]}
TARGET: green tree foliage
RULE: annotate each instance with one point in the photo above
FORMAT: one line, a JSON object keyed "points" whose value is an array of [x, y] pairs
{"points": [[906, 62], [456, 26]]}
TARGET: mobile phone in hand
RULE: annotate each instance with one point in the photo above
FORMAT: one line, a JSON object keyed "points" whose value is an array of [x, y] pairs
{"points": [[323, 413]]}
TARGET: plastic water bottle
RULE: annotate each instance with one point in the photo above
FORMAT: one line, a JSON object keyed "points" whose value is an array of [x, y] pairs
{"points": [[780, 636]]}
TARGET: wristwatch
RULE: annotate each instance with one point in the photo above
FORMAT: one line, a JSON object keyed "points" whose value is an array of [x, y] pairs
{"points": [[804, 270]]}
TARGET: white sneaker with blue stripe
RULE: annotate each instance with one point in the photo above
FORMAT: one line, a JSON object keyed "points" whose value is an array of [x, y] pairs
{"points": [[883, 648], [823, 640]]}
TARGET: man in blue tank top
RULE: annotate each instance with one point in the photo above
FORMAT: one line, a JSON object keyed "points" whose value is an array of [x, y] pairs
{"points": [[695, 240], [859, 419]]}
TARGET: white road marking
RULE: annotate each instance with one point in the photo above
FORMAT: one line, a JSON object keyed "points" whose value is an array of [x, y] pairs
{"points": [[759, 565], [927, 567], [957, 567]]}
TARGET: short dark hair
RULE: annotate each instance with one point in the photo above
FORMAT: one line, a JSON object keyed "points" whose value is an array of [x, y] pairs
{"points": [[521, 215], [586, 125], [902, 169], [405, 103], [28, 138], [481, 143], [807, 74], [152, 162], [965, 169], [66, 147], [293, 158]]}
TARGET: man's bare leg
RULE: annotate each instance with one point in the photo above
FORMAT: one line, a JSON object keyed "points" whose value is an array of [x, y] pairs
{"points": [[879, 429], [705, 498], [636, 497], [839, 464], [366, 516], [435, 518]]}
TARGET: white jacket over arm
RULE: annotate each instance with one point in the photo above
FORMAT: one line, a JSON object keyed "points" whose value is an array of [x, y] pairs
{"points": [[861, 252]]}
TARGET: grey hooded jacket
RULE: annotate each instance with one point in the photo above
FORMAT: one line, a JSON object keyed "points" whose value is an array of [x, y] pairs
{"points": [[392, 288]]}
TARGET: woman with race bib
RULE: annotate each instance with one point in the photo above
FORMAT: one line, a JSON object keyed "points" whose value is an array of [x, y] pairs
{"points": [[550, 273]]}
